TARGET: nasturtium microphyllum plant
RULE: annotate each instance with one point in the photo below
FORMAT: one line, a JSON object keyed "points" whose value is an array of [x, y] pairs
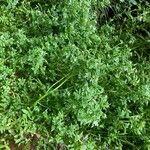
{"points": [[69, 80]]}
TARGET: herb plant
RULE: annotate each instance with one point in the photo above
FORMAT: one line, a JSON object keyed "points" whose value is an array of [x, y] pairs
{"points": [[73, 79]]}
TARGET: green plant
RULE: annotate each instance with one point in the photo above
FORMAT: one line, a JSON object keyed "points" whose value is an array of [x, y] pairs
{"points": [[67, 83]]}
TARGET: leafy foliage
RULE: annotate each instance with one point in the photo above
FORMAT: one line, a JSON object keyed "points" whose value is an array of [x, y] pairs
{"points": [[71, 81]]}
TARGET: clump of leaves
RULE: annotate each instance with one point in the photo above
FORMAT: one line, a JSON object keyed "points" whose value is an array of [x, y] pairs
{"points": [[67, 83]]}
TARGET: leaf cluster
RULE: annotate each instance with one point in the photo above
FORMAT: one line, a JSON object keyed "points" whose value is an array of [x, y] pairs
{"points": [[70, 82]]}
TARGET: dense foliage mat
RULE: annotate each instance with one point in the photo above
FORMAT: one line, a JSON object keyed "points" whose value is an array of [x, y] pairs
{"points": [[75, 74]]}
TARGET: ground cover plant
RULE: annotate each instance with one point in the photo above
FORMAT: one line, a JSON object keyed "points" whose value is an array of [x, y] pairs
{"points": [[75, 74]]}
